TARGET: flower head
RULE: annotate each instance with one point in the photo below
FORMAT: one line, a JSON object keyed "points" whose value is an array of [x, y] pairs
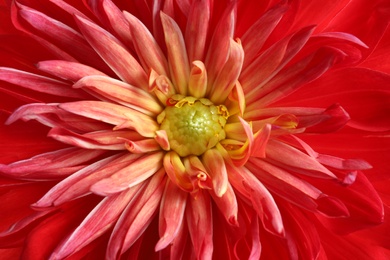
{"points": [[188, 129]]}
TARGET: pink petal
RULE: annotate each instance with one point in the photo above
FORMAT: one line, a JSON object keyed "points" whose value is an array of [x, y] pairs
{"points": [[200, 224], [130, 176], [255, 37], [220, 41], [285, 155], [79, 183], [171, 216], [260, 141], [162, 139], [39, 83], [137, 216], [110, 15], [289, 80], [67, 70], [227, 204], [50, 163], [177, 55], [56, 51], [295, 190], [149, 52], [177, 172], [197, 28], [98, 221], [353, 88], [113, 53], [272, 61], [215, 166], [121, 93], [143, 146], [61, 35], [51, 115], [197, 84], [116, 141], [227, 77], [120, 116], [263, 203]]}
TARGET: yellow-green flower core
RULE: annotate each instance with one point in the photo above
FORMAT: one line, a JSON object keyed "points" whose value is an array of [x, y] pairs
{"points": [[193, 125]]}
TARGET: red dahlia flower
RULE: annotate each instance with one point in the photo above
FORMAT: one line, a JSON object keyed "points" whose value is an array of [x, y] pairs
{"points": [[194, 129]]}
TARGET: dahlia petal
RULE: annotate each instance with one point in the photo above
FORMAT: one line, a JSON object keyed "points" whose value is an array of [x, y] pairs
{"points": [[137, 216], [227, 204], [143, 146], [130, 176], [286, 155], [255, 37], [34, 111], [83, 141], [185, 6], [68, 8], [162, 87], [58, 52], [227, 77], [365, 208], [332, 119], [39, 245], [99, 220], [197, 174], [51, 162], [332, 207], [260, 141], [67, 70], [288, 81], [51, 115], [113, 53], [121, 93], [179, 247], [17, 217], [263, 203], [38, 83], [344, 164], [276, 178], [342, 36], [177, 55], [272, 61], [197, 29], [113, 137], [241, 155], [172, 209], [215, 166], [351, 165], [296, 190], [354, 88], [303, 233], [197, 85], [79, 183], [162, 139], [237, 98], [337, 246], [177, 171], [117, 115], [220, 41], [200, 225], [366, 20], [109, 14], [149, 53], [70, 41]]}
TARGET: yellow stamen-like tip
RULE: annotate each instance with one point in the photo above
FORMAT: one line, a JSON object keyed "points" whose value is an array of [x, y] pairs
{"points": [[193, 125]]}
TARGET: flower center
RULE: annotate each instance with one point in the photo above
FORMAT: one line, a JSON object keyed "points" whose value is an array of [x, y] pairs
{"points": [[193, 125]]}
